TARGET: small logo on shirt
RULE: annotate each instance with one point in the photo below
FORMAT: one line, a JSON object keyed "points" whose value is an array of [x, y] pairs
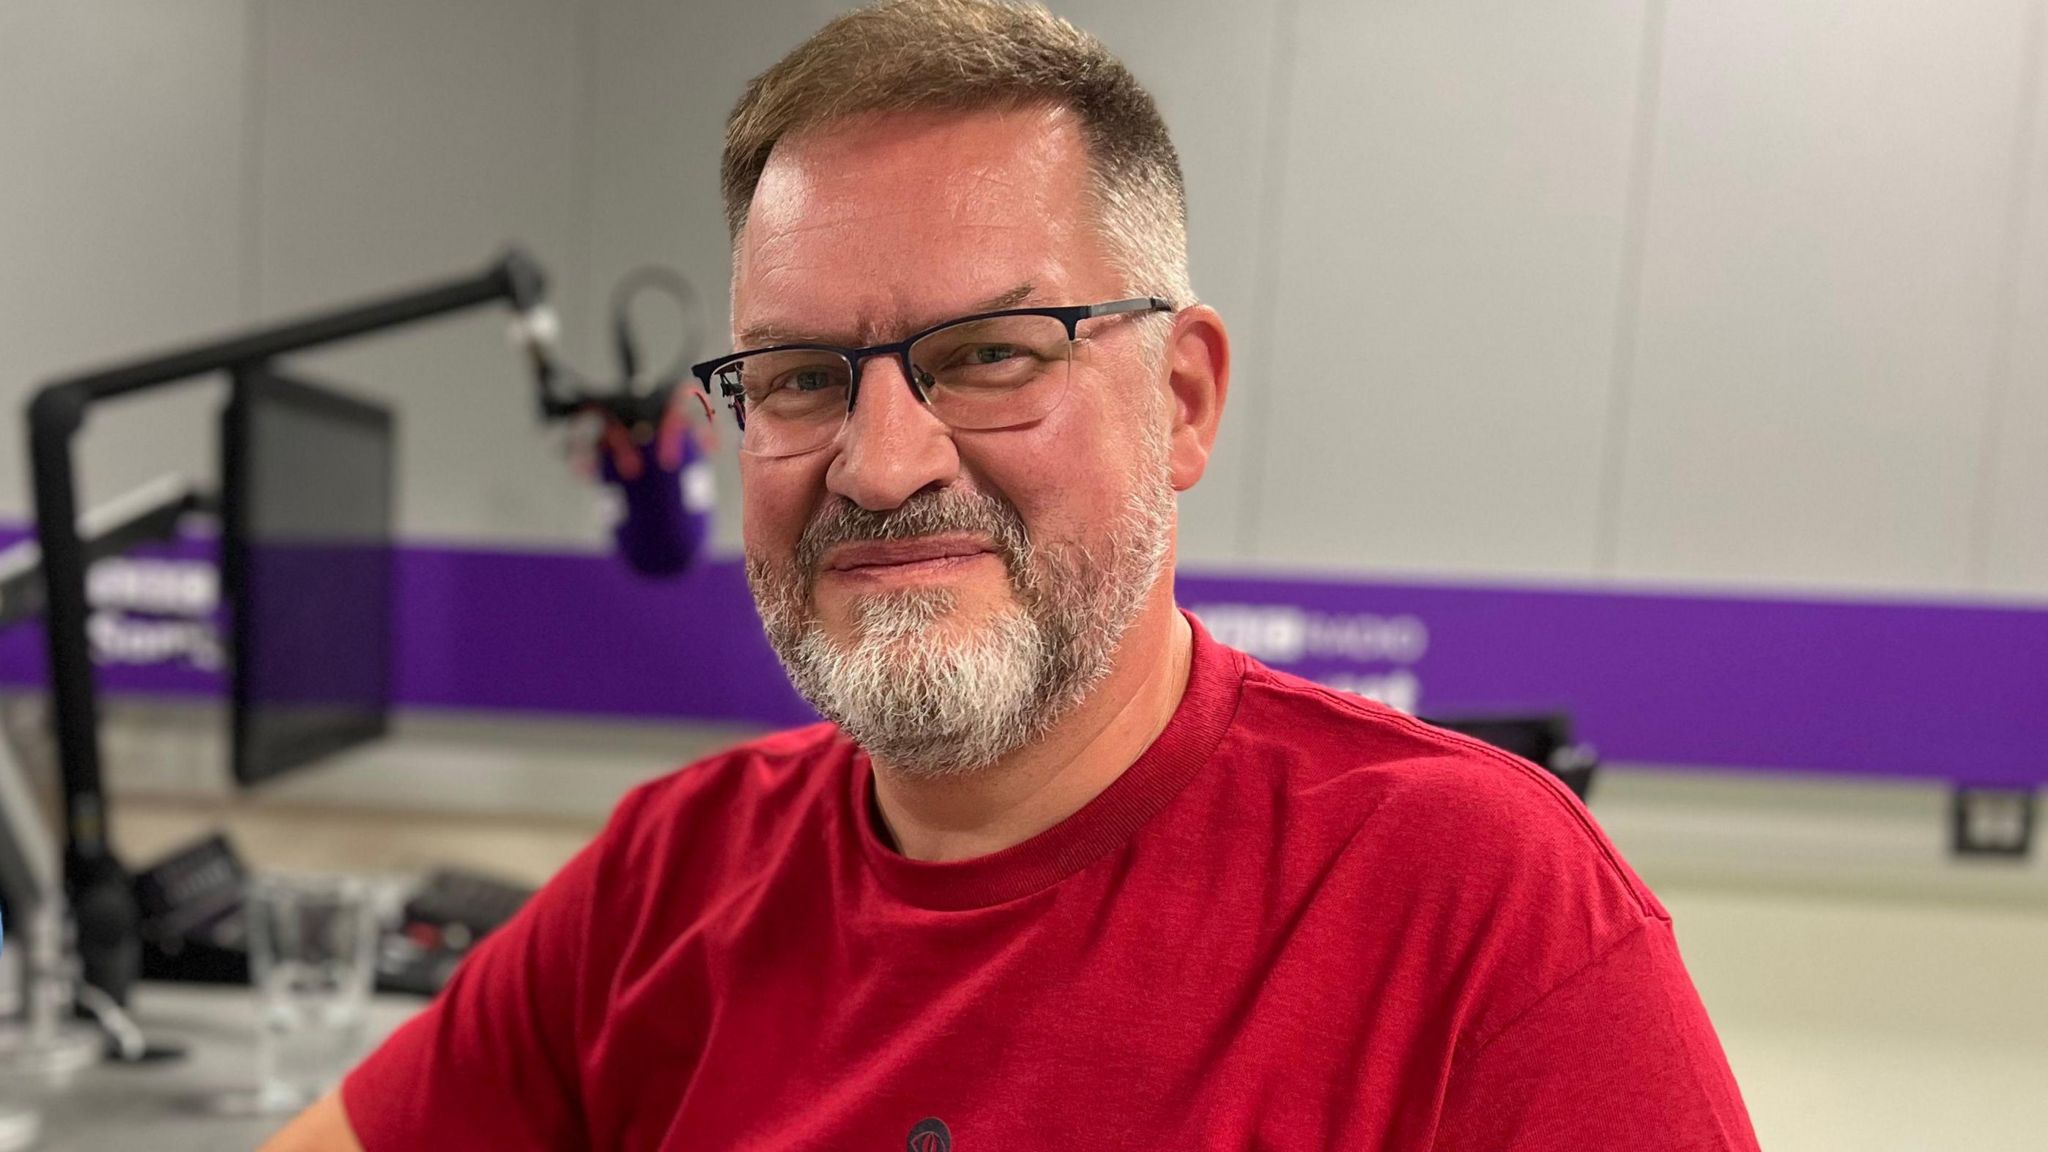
{"points": [[930, 1135]]}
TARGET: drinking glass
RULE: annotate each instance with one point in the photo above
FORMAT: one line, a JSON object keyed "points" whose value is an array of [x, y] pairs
{"points": [[312, 956]]}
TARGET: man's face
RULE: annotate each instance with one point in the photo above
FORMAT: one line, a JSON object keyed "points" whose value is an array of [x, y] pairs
{"points": [[947, 594]]}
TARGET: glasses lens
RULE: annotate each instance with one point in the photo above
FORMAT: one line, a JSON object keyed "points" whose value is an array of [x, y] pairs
{"points": [[791, 401], [994, 373]]}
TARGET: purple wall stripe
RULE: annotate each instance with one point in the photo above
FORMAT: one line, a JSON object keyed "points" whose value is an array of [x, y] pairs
{"points": [[1871, 687]]}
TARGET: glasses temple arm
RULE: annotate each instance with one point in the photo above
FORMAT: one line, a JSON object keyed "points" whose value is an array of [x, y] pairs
{"points": [[1138, 304]]}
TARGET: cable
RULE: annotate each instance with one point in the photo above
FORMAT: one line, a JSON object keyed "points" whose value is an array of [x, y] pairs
{"points": [[671, 284]]}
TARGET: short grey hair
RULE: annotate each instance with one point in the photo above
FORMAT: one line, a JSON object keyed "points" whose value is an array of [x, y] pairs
{"points": [[972, 55]]}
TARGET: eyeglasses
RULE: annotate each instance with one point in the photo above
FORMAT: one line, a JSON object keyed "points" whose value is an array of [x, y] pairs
{"points": [[988, 370]]}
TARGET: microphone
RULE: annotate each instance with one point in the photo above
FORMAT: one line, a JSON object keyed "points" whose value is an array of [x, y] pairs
{"points": [[644, 445], [666, 486]]}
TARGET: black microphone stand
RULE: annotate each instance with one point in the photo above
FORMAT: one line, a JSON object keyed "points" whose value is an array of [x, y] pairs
{"points": [[98, 887]]}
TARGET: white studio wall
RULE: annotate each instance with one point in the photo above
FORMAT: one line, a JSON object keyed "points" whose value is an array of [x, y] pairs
{"points": [[1449, 249], [1827, 256], [121, 217], [2012, 517], [1669, 291], [400, 142]]}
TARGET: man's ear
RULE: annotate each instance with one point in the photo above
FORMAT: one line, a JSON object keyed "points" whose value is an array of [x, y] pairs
{"points": [[1197, 378]]}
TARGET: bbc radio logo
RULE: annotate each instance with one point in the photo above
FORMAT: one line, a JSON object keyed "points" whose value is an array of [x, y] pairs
{"points": [[1285, 635]]}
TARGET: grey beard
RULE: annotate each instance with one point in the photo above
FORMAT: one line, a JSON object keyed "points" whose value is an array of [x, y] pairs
{"points": [[927, 707]]}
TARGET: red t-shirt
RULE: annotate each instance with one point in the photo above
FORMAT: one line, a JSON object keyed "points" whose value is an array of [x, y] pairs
{"points": [[1298, 921]]}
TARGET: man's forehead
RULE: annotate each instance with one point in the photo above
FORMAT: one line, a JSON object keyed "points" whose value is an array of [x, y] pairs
{"points": [[876, 324], [882, 222]]}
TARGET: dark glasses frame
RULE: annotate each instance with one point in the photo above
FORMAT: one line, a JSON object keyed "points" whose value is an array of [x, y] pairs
{"points": [[1071, 315]]}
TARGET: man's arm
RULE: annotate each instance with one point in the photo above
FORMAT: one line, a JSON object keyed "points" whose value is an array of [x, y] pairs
{"points": [[1619, 1056], [324, 1127]]}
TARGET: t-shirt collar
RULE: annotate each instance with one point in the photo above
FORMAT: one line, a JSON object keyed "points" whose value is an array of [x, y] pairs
{"points": [[1205, 712]]}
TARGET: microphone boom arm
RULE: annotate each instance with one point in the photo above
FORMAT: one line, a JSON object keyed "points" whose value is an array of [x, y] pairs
{"points": [[56, 414]]}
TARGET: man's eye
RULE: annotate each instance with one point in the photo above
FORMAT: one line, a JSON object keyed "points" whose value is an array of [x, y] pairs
{"points": [[992, 353], [985, 356], [804, 380]]}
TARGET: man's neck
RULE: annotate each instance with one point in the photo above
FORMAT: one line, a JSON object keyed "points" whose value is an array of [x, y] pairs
{"points": [[1042, 784]]}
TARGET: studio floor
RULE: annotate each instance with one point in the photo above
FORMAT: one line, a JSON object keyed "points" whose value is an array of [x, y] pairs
{"points": [[1872, 1024]]}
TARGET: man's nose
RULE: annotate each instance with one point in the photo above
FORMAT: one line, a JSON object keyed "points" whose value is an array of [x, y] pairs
{"points": [[892, 446]]}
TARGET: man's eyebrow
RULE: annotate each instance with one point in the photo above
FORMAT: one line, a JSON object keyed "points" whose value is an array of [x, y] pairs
{"points": [[770, 334], [1010, 299]]}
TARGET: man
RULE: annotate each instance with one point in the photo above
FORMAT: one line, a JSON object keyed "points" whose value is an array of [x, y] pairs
{"points": [[1062, 872]]}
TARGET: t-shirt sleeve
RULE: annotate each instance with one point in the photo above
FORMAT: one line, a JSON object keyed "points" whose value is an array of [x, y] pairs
{"points": [[1619, 1055], [492, 1062]]}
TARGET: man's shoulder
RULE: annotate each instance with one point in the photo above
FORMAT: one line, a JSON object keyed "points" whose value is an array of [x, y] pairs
{"points": [[1458, 848], [1443, 809]]}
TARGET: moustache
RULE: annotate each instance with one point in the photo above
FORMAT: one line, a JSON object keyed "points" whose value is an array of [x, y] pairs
{"points": [[933, 512]]}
